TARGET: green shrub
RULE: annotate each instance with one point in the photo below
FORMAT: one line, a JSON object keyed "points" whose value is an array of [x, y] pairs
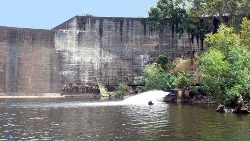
{"points": [[139, 81], [245, 32], [164, 63], [225, 67], [184, 80], [121, 90], [156, 78]]}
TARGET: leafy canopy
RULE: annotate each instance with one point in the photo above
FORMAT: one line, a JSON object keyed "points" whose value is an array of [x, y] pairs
{"points": [[223, 40], [245, 32], [225, 66], [169, 12], [219, 7]]}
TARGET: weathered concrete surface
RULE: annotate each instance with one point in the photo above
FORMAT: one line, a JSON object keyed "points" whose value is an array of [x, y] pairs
{"points": [[28, 62], [111, 50], [82, 50]]}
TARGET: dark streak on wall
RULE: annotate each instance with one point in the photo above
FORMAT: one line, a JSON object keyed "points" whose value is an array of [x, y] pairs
{"points": [[83, 50], [111, 50]]}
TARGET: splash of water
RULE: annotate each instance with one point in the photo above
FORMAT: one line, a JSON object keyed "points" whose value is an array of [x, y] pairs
{"points": [[155, 96]]}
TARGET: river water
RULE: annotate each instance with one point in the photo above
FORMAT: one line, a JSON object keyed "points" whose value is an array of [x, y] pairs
{"points": [[72, 119]]}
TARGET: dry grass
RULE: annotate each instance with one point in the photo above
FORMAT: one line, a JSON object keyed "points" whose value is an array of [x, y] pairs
{"points": [[103, 90], [185, 65]]}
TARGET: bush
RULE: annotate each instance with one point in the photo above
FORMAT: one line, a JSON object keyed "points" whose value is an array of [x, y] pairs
{"points": [[121, 90], [164, 63], [139, 81], [225, 67], [184, 80], [156, 78]]}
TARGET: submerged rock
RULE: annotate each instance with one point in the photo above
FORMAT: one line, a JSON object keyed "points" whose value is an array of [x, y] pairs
{"points": [[150, 103], [240, 110]]}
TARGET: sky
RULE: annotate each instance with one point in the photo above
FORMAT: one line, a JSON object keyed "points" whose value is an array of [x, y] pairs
{"points": [[46, 14]]}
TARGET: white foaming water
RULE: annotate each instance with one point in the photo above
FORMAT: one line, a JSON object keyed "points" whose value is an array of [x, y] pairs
{"points": [[155, 96]]}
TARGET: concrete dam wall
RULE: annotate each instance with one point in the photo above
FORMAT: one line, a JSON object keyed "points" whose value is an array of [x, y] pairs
{"points": [[28, 62], [82, 50], [110, 50]]}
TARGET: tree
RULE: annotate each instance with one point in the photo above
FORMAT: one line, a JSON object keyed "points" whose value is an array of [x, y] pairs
{"points": [[173, 13], [234, 9], [214, 67], [169, 13], [225, 66], [223, 40], [245, 32], [239, 73]]}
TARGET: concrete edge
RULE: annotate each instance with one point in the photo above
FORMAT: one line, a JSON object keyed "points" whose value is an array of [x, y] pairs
{"points": [[23, 96]]}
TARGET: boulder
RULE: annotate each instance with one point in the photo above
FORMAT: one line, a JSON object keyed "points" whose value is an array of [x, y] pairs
{"points": [[221, 109], [240, 110]]}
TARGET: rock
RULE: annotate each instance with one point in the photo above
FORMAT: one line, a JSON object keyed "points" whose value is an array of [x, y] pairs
{"points": [[239, 110], [244, 111], [150, 103], [201, 99], [192, 94], [170, 98], [221, 109]]}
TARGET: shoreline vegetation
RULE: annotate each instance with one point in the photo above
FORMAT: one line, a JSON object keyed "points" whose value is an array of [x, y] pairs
{"points": [[220, 74]]}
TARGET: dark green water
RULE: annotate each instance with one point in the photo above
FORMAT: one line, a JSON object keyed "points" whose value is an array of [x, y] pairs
{"points": [[77, 120]]}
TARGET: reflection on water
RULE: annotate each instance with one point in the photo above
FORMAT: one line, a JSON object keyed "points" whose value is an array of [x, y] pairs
{"points": [[19, 120]]}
